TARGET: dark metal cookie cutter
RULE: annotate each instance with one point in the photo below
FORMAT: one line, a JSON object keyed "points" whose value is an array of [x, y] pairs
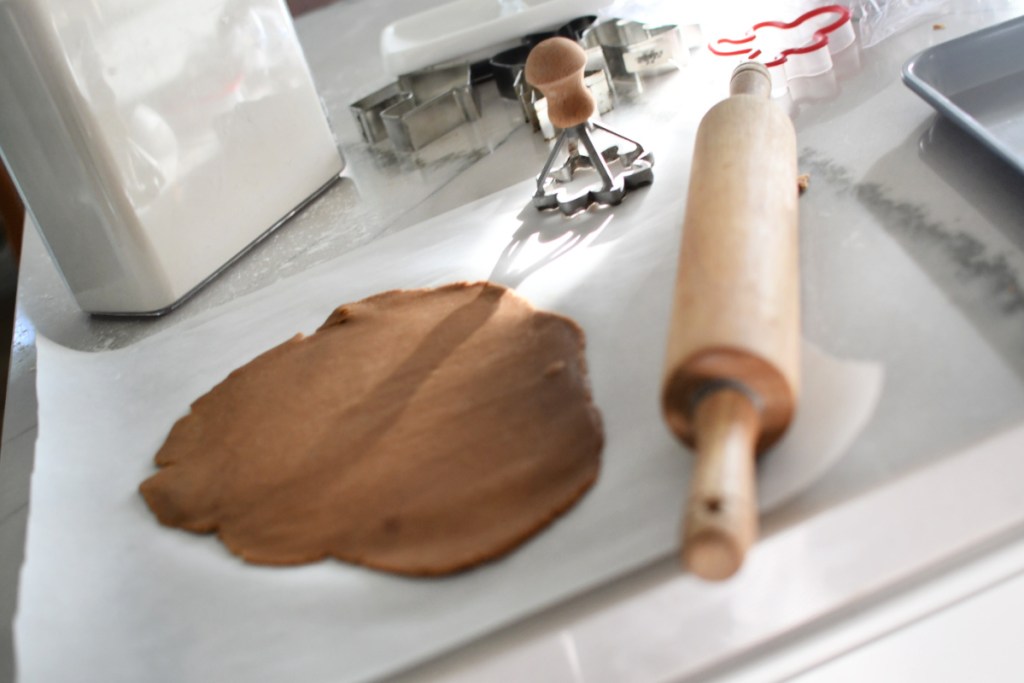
{"points": [[419, 108]]}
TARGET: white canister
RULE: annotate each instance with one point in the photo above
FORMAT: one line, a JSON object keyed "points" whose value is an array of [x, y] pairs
{"points": [[154, 142]]}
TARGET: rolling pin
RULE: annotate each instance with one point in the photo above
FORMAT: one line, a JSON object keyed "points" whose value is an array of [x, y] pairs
{"points": [[732, 364]]}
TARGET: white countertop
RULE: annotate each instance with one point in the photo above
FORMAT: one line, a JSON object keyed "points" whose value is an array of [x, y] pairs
{"points": [[912, 258]]}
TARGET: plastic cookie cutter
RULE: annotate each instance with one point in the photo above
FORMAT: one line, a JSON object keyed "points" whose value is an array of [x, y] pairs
{"points": [[555, 67], [802, 47], [421, 107]]}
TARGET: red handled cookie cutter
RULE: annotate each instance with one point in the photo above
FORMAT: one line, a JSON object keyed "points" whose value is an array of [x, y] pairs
{"points": [[802, 47]]}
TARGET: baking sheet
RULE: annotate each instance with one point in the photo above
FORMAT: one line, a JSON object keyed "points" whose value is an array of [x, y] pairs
{"points": [[125, 599], [977, 81]]}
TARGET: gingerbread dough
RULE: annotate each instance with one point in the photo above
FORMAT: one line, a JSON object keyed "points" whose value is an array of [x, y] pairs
{"points": [[420, 432]]}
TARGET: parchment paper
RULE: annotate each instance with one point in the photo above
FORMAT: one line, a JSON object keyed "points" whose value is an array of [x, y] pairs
{"points": [[108, 594]]}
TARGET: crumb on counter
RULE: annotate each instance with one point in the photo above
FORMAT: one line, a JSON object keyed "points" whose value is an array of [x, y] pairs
{"points": [[938, 27], [803, 181]]}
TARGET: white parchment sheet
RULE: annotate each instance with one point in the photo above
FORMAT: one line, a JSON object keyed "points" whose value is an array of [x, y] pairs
{"points": [[107, 594]]}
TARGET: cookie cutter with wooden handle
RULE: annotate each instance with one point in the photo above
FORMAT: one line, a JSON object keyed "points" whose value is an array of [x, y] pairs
{"points": [[556, 68]]}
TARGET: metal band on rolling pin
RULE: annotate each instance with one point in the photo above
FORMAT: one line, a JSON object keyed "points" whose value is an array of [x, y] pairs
{"points": [[714, 385]]}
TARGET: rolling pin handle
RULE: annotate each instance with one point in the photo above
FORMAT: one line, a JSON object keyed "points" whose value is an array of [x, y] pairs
{"points": [[751, 78], [555, 67], [720, 521]]}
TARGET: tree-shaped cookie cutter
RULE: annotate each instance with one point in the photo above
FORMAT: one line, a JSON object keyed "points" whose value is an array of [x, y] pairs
{"points": [[802, 47], [555, 67]]}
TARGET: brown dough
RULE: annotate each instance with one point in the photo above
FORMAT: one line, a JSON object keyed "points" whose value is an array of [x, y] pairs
{"points": [[419, 432]]}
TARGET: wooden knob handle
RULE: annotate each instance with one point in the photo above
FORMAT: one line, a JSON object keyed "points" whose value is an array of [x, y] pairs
{"points": [[555, 67], [720, 522]]}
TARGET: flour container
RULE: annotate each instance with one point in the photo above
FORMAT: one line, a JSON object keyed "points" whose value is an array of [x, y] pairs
{"points": [[154, 142]]}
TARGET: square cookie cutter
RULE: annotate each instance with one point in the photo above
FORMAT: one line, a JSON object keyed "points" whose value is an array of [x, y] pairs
{"points": [[419, 108], [631, 48]]}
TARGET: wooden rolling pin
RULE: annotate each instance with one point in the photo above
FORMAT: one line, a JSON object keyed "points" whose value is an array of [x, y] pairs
{"points": [[731, 372]]}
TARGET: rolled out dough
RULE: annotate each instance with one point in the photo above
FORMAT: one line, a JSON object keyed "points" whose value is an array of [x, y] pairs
{"points": [[420, 432]]}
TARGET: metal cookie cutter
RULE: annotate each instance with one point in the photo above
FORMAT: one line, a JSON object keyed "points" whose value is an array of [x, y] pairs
{"points": [[634, 49], [419, 108], [553, 186], [556, 68]]}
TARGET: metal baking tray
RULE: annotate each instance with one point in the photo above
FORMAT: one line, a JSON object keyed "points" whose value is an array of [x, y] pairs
{"points": [[977, 81]]}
